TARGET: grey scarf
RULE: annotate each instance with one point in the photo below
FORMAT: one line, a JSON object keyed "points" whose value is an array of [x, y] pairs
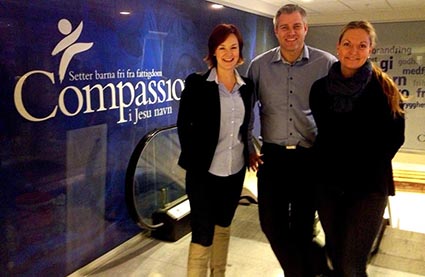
{"points": [[346, 90]]}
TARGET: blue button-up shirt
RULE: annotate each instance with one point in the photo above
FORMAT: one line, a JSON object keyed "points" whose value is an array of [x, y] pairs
{"points": [[282, 91], [228, 157]]}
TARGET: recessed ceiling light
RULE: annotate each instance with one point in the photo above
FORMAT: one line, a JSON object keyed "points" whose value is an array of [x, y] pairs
{"points": [[125, 13], [216, 6]]}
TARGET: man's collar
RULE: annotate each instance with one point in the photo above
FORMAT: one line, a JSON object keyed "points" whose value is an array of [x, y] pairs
{"points": [[277, 57]]}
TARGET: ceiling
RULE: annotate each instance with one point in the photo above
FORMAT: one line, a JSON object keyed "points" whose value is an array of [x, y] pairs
{"points": [[333, 12]]}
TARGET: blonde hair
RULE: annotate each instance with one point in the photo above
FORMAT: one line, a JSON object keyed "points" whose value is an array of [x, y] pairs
{"points": [[389, 87]]}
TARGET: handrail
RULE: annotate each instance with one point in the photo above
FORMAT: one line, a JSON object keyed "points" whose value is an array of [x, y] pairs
{"points": [[136, 171], [130, 181]]}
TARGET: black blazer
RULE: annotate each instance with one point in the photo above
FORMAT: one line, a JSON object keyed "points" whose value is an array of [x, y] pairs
{"points": [[355, 148], [198, 121]]}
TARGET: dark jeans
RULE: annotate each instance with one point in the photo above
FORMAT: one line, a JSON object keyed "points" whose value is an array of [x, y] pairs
{"points": [[287, 206], [351, 224], [213, 201]]}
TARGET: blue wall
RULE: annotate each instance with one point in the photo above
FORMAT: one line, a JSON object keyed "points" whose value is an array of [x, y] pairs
{"points": [[80, 86]]}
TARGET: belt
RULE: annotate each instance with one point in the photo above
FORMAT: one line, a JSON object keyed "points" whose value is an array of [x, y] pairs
{"points": [[275, 150], [276, 147]]}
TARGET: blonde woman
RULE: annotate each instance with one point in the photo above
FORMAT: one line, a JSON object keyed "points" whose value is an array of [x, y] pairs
{"points": [[360, 121]]}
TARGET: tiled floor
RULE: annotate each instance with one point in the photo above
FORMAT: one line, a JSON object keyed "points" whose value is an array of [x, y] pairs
{"points": [[169, 259], [401, 251], [247, 258], [143, 256]]}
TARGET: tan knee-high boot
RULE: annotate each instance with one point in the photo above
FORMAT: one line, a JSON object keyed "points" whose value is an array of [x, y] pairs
{"points": [[219, 250], [197, 264]]}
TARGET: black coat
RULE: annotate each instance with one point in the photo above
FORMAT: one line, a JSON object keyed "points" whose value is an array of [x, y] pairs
{"points": [[355, 148], [198, 122]]}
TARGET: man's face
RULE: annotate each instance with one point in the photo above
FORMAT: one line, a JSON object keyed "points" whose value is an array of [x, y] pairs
{"points": [[290, 31]]}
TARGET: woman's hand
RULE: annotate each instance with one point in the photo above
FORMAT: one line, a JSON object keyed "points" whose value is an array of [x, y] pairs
{"points": [[255, 161]]}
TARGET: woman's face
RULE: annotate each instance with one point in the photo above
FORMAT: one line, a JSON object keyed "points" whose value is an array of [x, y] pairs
{"points": [[227, 53], [353, 50]]}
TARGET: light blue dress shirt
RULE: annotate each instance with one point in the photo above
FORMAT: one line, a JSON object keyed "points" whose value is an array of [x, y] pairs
{"points": [[282, 91], [228, 157]]}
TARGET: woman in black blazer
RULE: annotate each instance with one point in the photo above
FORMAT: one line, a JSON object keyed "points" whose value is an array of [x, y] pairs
{"points": [[212, 125], [360, 120]]}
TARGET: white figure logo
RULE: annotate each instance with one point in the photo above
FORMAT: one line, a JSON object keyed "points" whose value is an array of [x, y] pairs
{"points": [[68, 46]]}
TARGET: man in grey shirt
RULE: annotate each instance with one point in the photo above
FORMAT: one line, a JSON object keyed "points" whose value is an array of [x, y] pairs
{"points": [[282, 79]]}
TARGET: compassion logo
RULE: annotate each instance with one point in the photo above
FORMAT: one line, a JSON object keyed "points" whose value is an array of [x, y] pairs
{"points": [[120, 96]]}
